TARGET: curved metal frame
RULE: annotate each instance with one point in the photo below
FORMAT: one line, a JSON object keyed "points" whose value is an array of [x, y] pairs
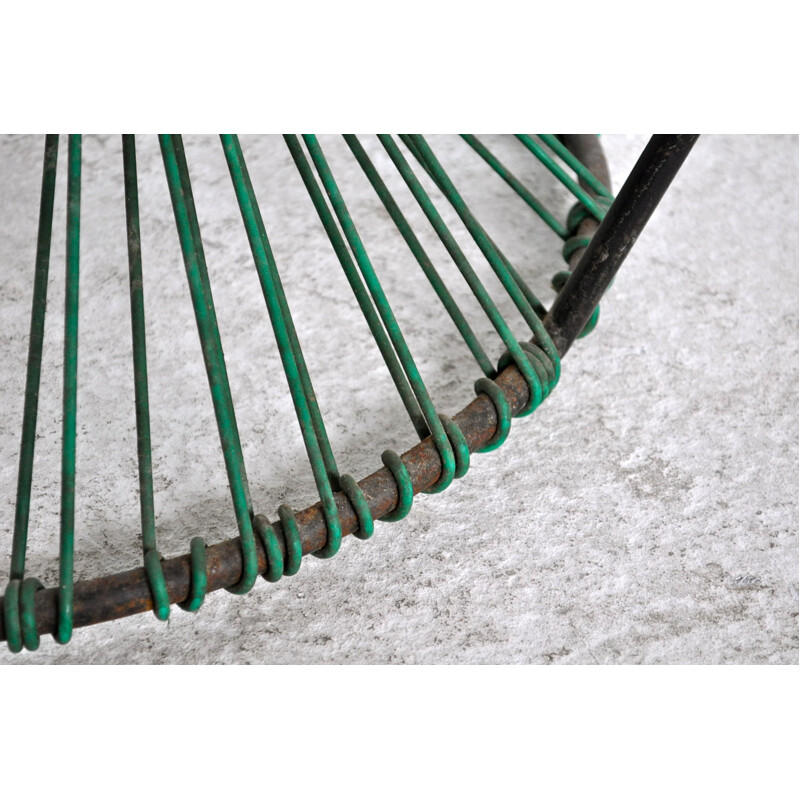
{"points": [[127, 593]]}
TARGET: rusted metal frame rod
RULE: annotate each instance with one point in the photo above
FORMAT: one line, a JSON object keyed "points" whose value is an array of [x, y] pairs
{"points": [[624, 221], [586, 148], [127, 593]]}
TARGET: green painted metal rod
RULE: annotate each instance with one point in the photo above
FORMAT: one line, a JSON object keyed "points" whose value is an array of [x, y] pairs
{"points": [[203, 303], [346, 261], [34, 370], [320, 454], [194, 226], [387, 316], [425, 263], [291, 352], [491, 159], [70, 399], [533, 300], [586, 199], [569, 158], [152, 560], [510, 282], [467, 271], [139, 345]]}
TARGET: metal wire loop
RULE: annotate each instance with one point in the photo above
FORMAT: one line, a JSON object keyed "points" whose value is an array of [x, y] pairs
{"points": [[573, 244], [459, 444], [291, 538], [19, 614], [545, 366], [532, 378], [501, 408], [158, 585], [460, 451], [542, 366], [405, 489], [354, 493], [11, 616], [199, 576], [263, 528], [27, 612], [578, 213]]}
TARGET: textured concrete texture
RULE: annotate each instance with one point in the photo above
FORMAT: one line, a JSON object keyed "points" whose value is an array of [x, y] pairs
{"points": [[646, 513]]}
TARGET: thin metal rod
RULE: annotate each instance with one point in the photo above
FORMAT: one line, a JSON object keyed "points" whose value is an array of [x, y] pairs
{"points": [[622, 225], [505, 173], [587, 149], [141, 395], [70, 397], [560, 173], [381, 303], [464, 267], [309, 417], [343, 253], [587, 177], [430, 271], [35, 346], [211, 345]]}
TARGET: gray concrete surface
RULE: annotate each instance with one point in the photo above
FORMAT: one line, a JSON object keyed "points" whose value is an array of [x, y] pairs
{"points": [[646, 513]]}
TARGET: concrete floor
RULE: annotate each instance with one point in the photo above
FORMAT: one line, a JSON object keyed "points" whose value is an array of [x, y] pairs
{"points": [[646, 513]]}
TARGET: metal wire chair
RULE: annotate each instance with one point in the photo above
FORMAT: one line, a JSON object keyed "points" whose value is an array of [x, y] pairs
{"points": [[596, 237]]}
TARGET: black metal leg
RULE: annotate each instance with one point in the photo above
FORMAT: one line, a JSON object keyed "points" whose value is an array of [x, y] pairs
{"points": [[625, 220]]}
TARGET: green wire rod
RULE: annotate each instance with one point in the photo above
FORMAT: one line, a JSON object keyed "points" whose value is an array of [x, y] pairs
{"points": [[524, 375]]}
